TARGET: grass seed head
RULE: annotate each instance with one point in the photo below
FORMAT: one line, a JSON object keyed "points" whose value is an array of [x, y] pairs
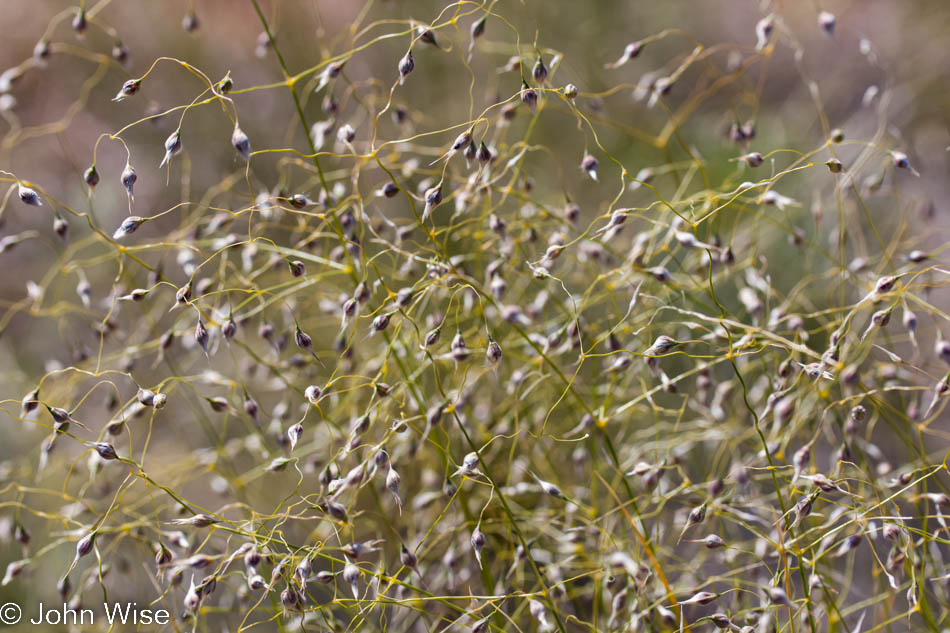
{"points": [[406, 65]]}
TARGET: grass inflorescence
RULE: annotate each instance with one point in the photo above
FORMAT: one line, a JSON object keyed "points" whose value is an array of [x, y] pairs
{"points": [[440, 317]]}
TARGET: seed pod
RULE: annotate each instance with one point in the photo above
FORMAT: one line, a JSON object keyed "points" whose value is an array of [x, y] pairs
{"points": [[458, 347], [432, 337], [433, 197], [289, 598], [297, 268], [381, 322], [312, 394], [484, 154], [713, 541], [293, 434], [702, 597], [346, 133], [106, 451], [392, 484], [128, 179], [79, 23], [198, 521], [30, 402], [826, 22], [299, 201], [493, 353], [263, 44], [661, 345], [183, 295], [21, 535], [162, 555], [146, 397], [172, 147], [390, 189], [251, 407], [226, 84], [41, 51], [351, 575], [362, 292], [538, 612], [229, 329], [463, 140], [241, 142], [129, 225], [529, 96], [763, 30], [84, 546], [470, 152], [696, 515], [336, 510], [120, 53], [408, 559], [848, 545], [800, 459], [824, 483], [129, 88], [60, 226], [540, 71], [752, 159], [910, 321], [589, 165], [900, 160], [884, 285], [201, 335], [61, 418], [159, 401], [942, 349], [891, 532], [190, 22], [630, 51], [406, 65], [721, 620], [426, 35], [434, 415], [478, 27], [28, 195], [138, 294], [778, 596], [667, 617], [303, 339], [324, 577], [91, 177], [192, 597], [549, 488], [404, 297], [256, 582], [570, 91], [478, 544], [381, 459], [834, 166]]}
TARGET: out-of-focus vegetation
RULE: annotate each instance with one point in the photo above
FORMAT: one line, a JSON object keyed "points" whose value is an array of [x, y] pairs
{"points": [[541, 315]]}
